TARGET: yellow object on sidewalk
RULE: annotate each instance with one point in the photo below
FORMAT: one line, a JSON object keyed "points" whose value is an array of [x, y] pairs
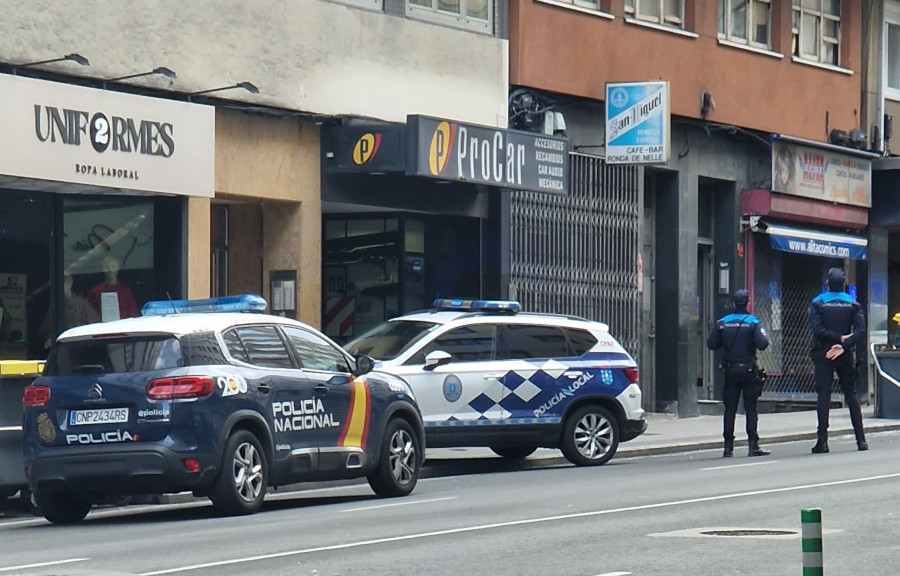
{"points": [[21, 367]]}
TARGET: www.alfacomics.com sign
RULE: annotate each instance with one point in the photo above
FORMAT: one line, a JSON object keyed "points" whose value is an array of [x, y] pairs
{"points": [[637, 123]]}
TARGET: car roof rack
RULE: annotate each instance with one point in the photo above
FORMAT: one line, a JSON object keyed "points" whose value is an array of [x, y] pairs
{"points": [[464, 305], [239, 303]]}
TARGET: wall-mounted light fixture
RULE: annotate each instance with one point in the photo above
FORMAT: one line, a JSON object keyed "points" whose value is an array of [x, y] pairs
{"points": [[248, 86], [161, 70], [73, 57]]}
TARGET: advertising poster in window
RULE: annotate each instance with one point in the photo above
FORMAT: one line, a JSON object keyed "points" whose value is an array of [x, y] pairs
{"points": [[13, 320], [821, 174]]}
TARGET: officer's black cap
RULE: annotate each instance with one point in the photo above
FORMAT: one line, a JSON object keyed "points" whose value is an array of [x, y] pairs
{"points": [[836, 275], [741, 298]]}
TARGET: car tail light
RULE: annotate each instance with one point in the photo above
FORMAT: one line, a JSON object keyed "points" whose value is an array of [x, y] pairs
{"points": [[35, 396], [181, 387], [631, 374]]}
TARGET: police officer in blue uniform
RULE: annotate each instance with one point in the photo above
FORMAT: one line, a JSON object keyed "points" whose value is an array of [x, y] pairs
{"points": [[837, 323], [741, 334]]}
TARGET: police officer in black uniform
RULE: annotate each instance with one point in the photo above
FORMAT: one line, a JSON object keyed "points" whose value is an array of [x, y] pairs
{"points": [[837, 323], [741, 334]]}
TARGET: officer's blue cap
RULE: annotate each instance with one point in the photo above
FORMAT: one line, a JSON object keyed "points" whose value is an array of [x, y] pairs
{"points": [[741, 297]]}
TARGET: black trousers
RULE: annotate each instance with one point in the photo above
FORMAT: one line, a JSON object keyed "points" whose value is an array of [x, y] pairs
{"points": [[824, 376], [739, 384]]}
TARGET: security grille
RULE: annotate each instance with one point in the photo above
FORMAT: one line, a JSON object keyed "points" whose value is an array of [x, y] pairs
{"points": [[783, 286], [577, 254]]}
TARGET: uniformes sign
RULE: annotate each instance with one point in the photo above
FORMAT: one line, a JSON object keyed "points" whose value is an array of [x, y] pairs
{"points": [[75, 134]]}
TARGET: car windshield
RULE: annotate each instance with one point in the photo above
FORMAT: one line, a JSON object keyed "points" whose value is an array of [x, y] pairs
{"points": [[390, 339], [114, 355]]}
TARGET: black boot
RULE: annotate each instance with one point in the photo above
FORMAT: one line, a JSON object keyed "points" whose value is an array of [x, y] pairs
{"points": [[755, 450], [729, 449], [861, 443], [821, 446]]}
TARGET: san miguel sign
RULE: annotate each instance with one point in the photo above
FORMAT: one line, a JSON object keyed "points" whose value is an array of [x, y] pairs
{"points": [[492, 156], [73, 134], [451, 151]]}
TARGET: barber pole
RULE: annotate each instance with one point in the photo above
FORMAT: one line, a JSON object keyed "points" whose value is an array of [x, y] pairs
{"points": [[339, 317], [811, 535]]}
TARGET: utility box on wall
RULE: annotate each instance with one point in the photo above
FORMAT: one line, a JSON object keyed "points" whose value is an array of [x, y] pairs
{"points": [[283, 293]]}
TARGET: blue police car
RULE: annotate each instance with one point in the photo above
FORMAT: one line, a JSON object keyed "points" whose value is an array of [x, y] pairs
{"points": [[206, 397], [486, 374]]}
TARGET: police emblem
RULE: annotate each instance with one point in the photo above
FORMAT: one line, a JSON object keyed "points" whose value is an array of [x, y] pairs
{"points": [[46, 429], [452, 388], [606, 376]]}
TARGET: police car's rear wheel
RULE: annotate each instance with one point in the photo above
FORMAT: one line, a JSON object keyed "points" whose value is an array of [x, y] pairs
{"points": [[63, 507], [590, 436], [514, 452], [398, 463], [241, 485]]}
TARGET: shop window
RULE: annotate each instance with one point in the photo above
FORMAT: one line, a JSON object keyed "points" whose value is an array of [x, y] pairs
{"points": [[108, 258], [746, 22], [664, 12], [816, 30], [476, 15]]}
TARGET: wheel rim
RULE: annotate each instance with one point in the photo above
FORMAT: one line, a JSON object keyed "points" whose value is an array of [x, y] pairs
{"points": [[248, 475], [403, 457], [593, 436]]}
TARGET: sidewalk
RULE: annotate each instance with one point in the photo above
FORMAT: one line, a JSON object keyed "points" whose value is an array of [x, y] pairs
{"points": [[667, 434]]}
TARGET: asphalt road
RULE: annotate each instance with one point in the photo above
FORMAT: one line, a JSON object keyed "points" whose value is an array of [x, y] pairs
{"points": [[643, 515]]}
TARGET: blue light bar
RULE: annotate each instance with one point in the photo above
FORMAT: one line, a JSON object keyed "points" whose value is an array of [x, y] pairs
{"points": [[241, 303], [509, 306]]}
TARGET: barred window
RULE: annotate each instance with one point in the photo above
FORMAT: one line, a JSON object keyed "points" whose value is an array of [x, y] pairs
{"points": [[665, 12], [746, 22], [816, 29]]}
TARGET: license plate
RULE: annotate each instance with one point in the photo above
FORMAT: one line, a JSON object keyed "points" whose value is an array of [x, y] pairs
{"points": [[98, 416]]}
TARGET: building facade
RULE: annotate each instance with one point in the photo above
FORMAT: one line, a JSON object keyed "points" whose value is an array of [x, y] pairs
{"points": [[675, 237], [256, 86]]}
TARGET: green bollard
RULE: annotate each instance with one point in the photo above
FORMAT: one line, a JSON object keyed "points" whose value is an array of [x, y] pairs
{"points": [[811, 535]]}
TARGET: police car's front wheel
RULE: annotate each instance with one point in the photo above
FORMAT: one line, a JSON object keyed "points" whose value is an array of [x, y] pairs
{"points": [[398, 462], [590, 436], [241, 485]]}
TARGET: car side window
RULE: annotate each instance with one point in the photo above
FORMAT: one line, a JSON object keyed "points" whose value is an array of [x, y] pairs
{"points": [[314, 352], [264, 346], [527, 341], [473, 343], [234, 346], [580, 341]]}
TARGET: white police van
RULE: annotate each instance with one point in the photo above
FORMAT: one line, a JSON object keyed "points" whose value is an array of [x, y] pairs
{"points": [[486, 374]]}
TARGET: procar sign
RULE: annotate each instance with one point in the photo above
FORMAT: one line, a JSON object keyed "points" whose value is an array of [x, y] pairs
{"points": [[637, 123], [73, 134], [511, 159]]}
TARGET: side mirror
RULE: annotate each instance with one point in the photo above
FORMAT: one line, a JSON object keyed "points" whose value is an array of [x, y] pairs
{"points": [[435, 359], [364, 364]]}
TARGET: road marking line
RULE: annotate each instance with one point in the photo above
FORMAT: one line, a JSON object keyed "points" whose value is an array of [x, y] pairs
{"points": [[407, 503], [42, 564], [615, 574], [525, 522], [740, 465]]}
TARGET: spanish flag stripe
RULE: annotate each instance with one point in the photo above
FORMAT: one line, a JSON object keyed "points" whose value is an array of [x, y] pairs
{"points": [[357, 427]]}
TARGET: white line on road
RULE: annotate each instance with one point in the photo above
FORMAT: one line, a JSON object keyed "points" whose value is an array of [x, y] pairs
{"points": [[615, 574], [740, 465], [404, 503], [42, 564], [525, 522]]}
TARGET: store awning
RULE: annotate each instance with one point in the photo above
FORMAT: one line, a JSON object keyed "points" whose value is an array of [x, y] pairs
{"points": [[812, 242]]}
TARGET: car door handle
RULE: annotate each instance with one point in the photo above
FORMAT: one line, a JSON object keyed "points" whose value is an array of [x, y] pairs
{"points": [[573, 374], [494, 376], [264, 388], [321, 388]]}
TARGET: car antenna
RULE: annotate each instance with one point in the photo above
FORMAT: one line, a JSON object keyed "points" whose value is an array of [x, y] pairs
{"points": [[174, 309]]}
